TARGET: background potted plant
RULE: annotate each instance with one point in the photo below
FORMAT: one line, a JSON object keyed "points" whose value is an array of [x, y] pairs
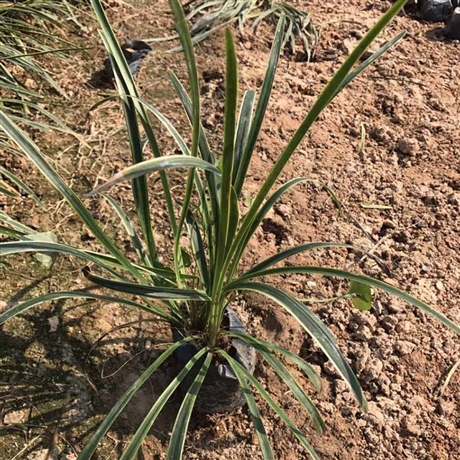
{"points": [[195, 294]]}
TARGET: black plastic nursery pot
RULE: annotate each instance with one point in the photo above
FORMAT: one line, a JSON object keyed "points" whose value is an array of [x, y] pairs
{"points": [[221, 391]]}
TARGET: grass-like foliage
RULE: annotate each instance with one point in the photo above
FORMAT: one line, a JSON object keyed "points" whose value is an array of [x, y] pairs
{"points": [[27, 36], [204, 279], [209, 16]]}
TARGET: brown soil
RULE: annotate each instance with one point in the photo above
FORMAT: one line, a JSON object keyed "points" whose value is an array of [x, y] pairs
{"points": [[408, 106]]}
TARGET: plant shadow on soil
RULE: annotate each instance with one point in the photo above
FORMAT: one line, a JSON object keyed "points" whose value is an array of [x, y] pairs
{"points": [[56, 380]]}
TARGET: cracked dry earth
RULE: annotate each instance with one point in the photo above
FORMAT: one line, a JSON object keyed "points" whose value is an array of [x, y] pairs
{"points": [[407, 108]]}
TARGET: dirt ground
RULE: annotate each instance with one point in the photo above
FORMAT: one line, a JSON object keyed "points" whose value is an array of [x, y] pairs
{"points": [[63, 365]]}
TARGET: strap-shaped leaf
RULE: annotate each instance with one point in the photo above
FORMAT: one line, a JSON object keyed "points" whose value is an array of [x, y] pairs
{"points": [[11, 232], [152, 165], [33, 153], [17, 247], [134, 237], [296, 389], [132, 109], [301, 363], [261, 107], [243, 239], [257, 421], [213, 181], [15, 179], [315, 328], [243, 373], [370, 60], [242, 132], [334, 272], [292, 252], [116, 410], [154, 292], [22, 307], [130, 452], [17, 226], [179, 431], [199, 251], [318, 107]]}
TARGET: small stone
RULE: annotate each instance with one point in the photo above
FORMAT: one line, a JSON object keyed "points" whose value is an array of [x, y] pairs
{"points": [[411, 425], [373, 369], [283, 211], [452, 29], [395, 305], [15, 417], [54, 323], [375, 415], [453, 199], [409, 147], [439, 285], [403, 347], [435, 10]]}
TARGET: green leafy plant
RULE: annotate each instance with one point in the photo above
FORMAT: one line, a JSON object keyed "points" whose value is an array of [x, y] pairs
{"points": [[27, 32], [209, 16], [192, 294]]}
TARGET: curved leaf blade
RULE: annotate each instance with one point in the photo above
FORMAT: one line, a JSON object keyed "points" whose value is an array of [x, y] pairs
{"points": [[152, 165], [130, 452], [116, 410], [179, 431], [316, 329], [296, 389], [22, 307], [264, 443], [238, 369], [301, 363], [154, 292], [334, 272]]}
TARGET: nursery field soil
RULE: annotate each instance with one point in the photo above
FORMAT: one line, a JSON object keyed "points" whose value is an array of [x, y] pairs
{"points": [[391, 138]]}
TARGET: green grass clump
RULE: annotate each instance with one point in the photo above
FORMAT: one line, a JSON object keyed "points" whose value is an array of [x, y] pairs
{"points": [[192, 293]]}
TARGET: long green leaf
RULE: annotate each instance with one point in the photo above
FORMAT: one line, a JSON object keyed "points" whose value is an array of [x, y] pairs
{"points": [[264, 443], [227, 199], [296, 389], [242, 132], [127, 87], [292, 252], [207, 155], [116, 410], [179, 431], [301, 363], [11, 232], [130, 452], [21, 185], [16, 247], [315, 328], [318, 107], [22, 307], [187, 46], [261, 107], [199, 250], [154, 292], [155, 164], [370, 60], [326, 271], [241, 371], [32, 152], [15, 224], [264, 210], [207, 221], [134, 237]]}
